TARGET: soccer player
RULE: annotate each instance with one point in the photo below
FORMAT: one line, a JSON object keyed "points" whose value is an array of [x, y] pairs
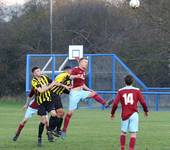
{"points": [[64, 81], [42, 85], [79, 92], [31, 109], [129, 97]]}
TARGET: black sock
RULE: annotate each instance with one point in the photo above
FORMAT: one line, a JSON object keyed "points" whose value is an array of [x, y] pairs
{"points": [[40, 129], [59, 124], [53, 123]]}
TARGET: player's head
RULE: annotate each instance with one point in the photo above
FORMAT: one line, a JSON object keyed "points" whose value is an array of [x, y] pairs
{"points": [[129, 80], [67, 69], [36, 71], [83, 63]]}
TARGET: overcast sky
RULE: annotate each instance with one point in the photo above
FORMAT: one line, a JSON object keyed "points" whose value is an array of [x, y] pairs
{"points": [[13, 2]]}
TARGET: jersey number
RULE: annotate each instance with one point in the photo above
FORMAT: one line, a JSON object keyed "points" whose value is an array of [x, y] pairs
{"points": [[128, 98]]}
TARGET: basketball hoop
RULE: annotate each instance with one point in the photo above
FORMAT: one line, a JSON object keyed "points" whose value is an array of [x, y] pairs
{"points": [[75, 51]]}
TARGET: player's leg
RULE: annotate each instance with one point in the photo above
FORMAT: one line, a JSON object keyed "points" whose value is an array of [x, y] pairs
{"points": [[132, 141], [61, 113], [66, 123], [133, 129], [58, 122], [74, 98], [41, 129], [53, 118], [19, 128], [97, 98], [47, 123], [28, 114], [124, 130], [43, 122], [51, 110], [122, 140], [67, 119]]}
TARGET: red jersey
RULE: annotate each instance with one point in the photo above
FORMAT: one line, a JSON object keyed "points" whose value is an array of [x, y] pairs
{"points": [[129, 97], [78, 82], [33, 103]]}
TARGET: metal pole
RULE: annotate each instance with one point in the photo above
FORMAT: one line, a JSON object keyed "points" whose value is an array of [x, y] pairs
{"points": [[28, 74], [51, 26]]}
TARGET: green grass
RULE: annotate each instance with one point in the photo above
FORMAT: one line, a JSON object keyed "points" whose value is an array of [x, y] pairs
{"points": [[89, 130]]}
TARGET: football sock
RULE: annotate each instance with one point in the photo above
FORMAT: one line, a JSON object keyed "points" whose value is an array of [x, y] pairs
{"points": [[40, 129], [66, 122], [20, 127], [99, 99], [59, 124], [132, 143], [53, 122], [122, 141]]}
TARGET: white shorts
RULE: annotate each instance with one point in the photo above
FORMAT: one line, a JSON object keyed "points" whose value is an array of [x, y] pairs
{"points": [[76, 96], [30, 112], [131, 124]]}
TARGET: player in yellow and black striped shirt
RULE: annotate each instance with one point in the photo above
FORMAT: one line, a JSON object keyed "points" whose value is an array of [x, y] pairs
{"points": [[63, 79], [41, 85]]}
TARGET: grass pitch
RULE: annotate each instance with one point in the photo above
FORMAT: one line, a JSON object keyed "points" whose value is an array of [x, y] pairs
{"points": [[89, 130]]}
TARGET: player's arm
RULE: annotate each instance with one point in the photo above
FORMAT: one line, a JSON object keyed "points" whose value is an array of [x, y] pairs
{"points": [[115, 105], [143, 103], [65, 86], [60, 78], [31, 94], [74, 74], [44, 88]]}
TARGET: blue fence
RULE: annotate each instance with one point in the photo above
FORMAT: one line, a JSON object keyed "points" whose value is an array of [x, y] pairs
{"points": [[156, 98]]}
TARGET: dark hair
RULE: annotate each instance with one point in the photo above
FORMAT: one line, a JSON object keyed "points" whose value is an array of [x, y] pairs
{"points": [[35, 68], [83, 58], [128, 80], [66, 67]]}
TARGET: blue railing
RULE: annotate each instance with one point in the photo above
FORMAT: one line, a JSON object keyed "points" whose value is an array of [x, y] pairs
{"points": [[147, 91]]}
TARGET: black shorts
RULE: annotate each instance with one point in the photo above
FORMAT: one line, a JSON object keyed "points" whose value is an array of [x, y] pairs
{"points": [[45, 107], [56, 100]]}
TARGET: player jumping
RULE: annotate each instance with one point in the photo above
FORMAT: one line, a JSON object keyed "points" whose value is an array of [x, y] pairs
{"points": [[129, 97], [79, 92]]}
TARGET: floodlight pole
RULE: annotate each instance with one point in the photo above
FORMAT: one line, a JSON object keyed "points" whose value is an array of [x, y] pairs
{"points": [[51, 26]]}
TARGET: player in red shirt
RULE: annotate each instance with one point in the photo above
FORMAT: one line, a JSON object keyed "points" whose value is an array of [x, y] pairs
{"points": [[129, 97], [31, 108], [79, 91]]}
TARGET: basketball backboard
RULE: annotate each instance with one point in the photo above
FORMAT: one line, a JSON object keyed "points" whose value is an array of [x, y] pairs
{"points": [[75, 51]]}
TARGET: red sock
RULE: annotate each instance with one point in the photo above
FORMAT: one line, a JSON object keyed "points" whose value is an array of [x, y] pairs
{"points": [[20, 127], [99, 99], [132, 143], [122, 141], [66, 122]]}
